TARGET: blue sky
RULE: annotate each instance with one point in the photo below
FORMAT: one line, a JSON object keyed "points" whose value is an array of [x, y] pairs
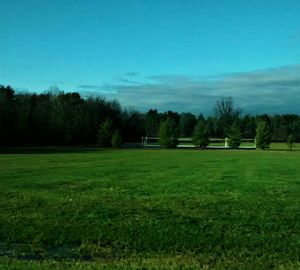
{"points": [[167, 54]]}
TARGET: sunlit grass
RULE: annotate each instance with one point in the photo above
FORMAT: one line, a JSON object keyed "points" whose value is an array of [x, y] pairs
{"points": [[150, 208]]}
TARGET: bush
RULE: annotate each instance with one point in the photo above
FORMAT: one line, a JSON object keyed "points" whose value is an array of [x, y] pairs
{"points": [[290, 142], [105, 133], [263, 135], [116, 139], [200, 135], [234, 137], [168, 133]]}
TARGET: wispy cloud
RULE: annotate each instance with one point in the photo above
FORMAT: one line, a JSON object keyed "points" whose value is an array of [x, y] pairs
{"points": [[274, 90], [91, 89], [89, 86], [131, 74]]}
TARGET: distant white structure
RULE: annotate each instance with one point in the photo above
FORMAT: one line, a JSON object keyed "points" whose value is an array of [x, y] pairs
{"points": [[226, 143], [187, 143], [145, 141]]}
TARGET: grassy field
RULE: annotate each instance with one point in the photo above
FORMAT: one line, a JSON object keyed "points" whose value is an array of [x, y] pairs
{"points": [[150, 209]]}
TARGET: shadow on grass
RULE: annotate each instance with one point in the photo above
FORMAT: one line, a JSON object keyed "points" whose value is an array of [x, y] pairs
{"points": [[282, 150], [49, 150], [89, 149]]}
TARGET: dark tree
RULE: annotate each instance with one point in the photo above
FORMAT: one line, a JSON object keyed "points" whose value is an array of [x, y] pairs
{"points": [[133, 126], [212, 127], [71, 118], [248, 126], [41, 116], [105, 133], [97, 110], [168, 133], [8, 116], [200, 135], [234, 136], [263, 135], [172, 115], [290, 142], [58, 118], [152, 119], [116, 139], [226, 115], [187, 124]]}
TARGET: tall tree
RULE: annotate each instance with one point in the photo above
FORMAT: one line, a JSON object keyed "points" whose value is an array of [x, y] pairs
{"points": [[234, 136], [116, 139], [187, 124], [172, 115], [226, 115], [133, 126], [152, 123], [105, 133], [7, 115], [168, 133], [290, 142], [211, 126], [263, 135], [200, 135], [72, 118], [248, 126]]}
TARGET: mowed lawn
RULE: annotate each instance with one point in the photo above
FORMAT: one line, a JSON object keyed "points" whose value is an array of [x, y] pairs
{"points": [[150, 209]]}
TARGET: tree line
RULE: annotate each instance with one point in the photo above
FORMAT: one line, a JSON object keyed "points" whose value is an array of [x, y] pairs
{"points": [[58, 118]]}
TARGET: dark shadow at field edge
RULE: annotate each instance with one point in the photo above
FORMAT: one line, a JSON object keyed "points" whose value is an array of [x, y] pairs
{"points": [[282, 150], [65, 150], [48, 150]]}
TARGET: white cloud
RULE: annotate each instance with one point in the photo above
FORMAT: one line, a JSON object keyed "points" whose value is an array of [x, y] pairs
{"points": [[265, 91]]}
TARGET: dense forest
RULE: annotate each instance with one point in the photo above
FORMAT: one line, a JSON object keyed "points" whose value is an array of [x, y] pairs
{"points": [[58, 118]]}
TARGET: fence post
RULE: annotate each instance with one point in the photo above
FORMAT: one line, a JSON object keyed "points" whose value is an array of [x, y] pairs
{"points": [[226, 142]]}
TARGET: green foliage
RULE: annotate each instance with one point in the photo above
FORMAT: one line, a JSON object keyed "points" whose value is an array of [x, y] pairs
{"points": [[168, 133], [234, 137], [116, 139], [134, 126], [290, 142], [72, 116], [58, 118], [105, 133], [263, 135], [200, 135], [225, 115], [152, 119], [187, 124], [53, 118], [8, 117], [171, 210]]}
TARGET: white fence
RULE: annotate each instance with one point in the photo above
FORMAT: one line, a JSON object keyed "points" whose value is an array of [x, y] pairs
{"points": [[187, 142]]}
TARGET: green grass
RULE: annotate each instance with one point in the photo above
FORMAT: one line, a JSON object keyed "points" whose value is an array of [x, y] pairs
{"points": [[283, 146], [157, 209]]}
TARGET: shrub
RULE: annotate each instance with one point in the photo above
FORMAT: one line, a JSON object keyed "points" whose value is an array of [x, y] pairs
{"points": [[200, 135], [234, 137], [116, 139], [105, 133], [290, 142], [168, 133], [263, 135]]}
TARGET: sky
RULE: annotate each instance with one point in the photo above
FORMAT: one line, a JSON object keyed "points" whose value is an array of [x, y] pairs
{"points": [[180, 55]]}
